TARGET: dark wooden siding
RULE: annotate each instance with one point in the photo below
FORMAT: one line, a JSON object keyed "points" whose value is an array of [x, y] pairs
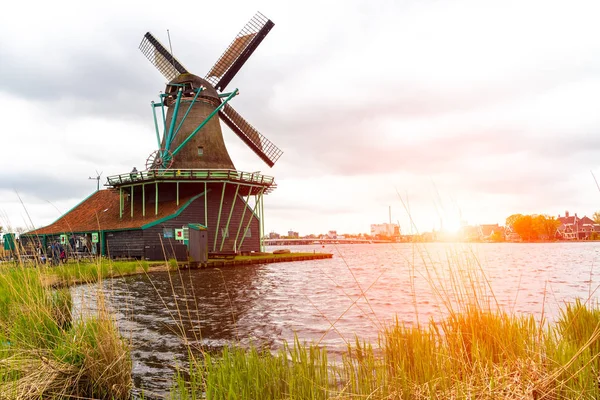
{"points": [[194, 213], [251, 243], [157, 247], [125, 244]]}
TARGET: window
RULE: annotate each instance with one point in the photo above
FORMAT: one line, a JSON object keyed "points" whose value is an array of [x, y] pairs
{"points": [[224, 232], [168, 233], [200, 151], [249, 233]]}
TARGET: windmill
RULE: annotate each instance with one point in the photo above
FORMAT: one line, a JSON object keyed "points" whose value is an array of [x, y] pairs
{"points": [[189, 182], [97, 179], [188, 136]]}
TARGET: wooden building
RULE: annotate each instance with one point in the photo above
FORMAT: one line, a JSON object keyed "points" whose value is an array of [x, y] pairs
{"points": [[189, 179], [139, 215]]}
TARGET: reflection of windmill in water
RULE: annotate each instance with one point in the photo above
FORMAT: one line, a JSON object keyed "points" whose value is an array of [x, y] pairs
{"points": [[190, 178]]}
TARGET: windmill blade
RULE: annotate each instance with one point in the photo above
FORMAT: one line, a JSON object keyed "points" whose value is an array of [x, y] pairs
{"points": [[238, 52], [262, 146], [162, 59]]}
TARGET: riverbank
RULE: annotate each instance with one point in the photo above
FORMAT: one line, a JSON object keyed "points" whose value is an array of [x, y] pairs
{"points": [[477, 350], [267, 258], [475, 353], [46, 353], [77, 272]]}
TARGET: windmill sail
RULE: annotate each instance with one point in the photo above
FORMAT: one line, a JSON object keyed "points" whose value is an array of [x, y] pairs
{"points": [[162, 59], [238, 52], [262, 146]]}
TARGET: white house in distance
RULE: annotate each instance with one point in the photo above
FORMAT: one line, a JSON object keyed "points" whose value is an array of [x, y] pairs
{"points": [[385, 229]]}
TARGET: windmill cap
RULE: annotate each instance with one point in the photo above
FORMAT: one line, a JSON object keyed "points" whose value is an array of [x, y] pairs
{"points": [[208, 92]]}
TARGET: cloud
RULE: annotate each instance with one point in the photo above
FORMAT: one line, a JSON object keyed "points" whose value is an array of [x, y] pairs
{"points": [[43, 186], [492, 103]]}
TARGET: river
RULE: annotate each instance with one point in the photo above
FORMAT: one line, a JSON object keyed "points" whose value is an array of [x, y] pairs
{"points": [[358, 291]]}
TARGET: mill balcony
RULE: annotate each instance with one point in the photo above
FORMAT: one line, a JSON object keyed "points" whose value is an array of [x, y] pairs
{"points": [[267, 183]]}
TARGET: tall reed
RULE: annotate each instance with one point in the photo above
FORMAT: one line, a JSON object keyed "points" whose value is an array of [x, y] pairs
{"points": [[476, 351], [44, 353]]}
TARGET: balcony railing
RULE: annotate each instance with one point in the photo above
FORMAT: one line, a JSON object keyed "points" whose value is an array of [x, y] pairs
{"points": [[190, 174]]}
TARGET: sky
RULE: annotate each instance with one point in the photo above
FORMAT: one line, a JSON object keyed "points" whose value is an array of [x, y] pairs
{"points": [[445, 111]]}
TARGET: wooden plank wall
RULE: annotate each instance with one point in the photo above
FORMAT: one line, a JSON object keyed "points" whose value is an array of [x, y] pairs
{"points": [[194, 213], [128, 244]]}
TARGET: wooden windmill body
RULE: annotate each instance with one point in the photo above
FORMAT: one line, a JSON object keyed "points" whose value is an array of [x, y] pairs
{"points": [[190, 180]]}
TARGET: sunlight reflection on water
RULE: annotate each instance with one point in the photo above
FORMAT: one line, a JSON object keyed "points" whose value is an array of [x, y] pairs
{"points": [[266, 304]]}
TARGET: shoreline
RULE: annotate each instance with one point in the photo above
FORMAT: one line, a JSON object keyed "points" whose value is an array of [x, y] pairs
{"points": [[52, 278]]}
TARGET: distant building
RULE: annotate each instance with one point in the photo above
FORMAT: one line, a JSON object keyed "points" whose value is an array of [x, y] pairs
{"points": [[332, 235], [293, 235], [385, 230], [574, 228], [274, 235]]}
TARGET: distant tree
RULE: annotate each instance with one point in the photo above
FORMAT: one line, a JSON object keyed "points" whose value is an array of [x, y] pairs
{"points": [[595, 217], [545, 226], [510, 221], [533, 227], [497, 236], [523, 225]]}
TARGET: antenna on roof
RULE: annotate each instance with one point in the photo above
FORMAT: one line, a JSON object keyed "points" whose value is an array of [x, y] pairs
{"points": [[97, 179], [171, 48]]}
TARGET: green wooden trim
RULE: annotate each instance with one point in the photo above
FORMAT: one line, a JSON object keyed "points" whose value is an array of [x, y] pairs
{"points": [[229, 217], [212, 114], [131, 205], [120, 202], [155, 123], [246, 206], [219, 217], [188, 111], [117, 230], [174, 215], [164, 117], [173, 120], [249, 221], [197, 227], [201, 173], [28, 235], [162, 179], [261, 223]]}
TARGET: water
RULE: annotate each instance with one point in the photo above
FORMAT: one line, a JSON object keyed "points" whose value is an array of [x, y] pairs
{"points": [[329, 301]]}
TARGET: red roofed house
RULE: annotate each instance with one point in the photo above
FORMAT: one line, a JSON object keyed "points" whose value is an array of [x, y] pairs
{"points": [[574, 228]]}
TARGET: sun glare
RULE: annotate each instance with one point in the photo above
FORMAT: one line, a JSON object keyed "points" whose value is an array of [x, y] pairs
{"points": [[451, 225]]}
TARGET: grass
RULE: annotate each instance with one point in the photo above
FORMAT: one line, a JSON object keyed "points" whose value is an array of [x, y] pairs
{"points": [[87, 272], [475, 354], [476, 351], [44, 353]]}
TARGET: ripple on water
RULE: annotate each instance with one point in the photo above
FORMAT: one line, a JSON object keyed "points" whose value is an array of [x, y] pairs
{"points": [[266, 304]]}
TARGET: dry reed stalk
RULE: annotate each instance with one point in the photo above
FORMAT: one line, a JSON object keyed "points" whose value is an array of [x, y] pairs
{"points": [[40, 376]]}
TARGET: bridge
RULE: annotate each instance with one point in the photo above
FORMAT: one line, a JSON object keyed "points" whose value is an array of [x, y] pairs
{"points": [[289, 242]]}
